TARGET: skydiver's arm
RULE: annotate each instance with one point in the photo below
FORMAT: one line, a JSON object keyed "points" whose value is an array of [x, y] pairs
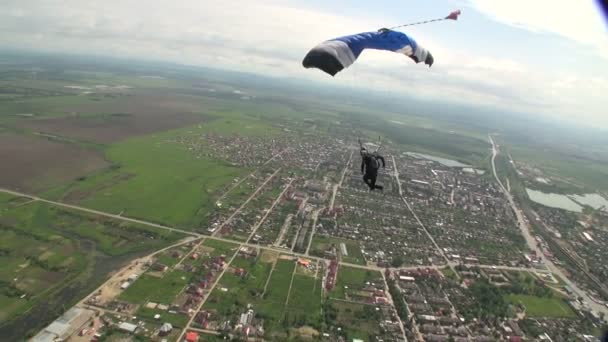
{"points": [[362, 164], [382, 158]]}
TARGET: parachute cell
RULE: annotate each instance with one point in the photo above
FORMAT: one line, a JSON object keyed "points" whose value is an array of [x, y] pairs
{"points": [[336, 54]]}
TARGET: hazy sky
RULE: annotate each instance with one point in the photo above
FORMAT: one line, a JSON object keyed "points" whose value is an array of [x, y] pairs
{"points": [[543, 57]]}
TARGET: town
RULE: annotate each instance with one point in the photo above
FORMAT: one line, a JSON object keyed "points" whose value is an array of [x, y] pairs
{"points": [[300, 249]]}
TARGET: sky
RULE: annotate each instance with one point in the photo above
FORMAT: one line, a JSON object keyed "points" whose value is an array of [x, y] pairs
{"points": [[541, 57]]}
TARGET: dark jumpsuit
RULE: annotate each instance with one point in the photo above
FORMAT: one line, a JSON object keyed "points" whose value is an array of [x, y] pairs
{"points": [[370, 173]]}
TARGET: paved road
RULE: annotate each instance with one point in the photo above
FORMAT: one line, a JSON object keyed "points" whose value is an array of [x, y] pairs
{"points": [[409, 207], [335, 190], [315, 217], [249, 175], [277, 200], [525, 230], [390, 299], [236, 212]]}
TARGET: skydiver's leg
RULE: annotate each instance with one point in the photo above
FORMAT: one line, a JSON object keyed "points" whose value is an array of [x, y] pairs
{"points": [[367, 180], [373, 182]]}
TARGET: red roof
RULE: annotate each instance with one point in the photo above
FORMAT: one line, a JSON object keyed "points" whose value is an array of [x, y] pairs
{"points": [[192, 336]]}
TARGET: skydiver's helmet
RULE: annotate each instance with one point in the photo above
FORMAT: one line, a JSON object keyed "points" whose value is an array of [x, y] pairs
{"points": [[364, 152]]}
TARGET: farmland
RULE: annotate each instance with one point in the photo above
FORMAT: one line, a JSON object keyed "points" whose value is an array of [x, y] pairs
{"points": [[38, 163]]}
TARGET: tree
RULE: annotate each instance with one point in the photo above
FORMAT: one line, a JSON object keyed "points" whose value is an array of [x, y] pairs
{"points": [[397, 261]]}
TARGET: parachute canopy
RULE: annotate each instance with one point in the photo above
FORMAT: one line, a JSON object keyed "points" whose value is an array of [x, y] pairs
{"points": [[336, 54]]}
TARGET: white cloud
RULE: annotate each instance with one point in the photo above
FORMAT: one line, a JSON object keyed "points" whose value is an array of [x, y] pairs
{"points": [[272, 36], [579, 21]]}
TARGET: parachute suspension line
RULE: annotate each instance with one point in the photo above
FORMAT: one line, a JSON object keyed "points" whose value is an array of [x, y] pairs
{"points": [[418, 23], [380, 141], [452, 16]]}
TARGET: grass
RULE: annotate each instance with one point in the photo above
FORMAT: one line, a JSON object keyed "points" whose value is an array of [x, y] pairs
{"points": [[220, 247], [448, 273], [176, 320], [354, 279], [159, 290], [157, 180], [167, 260], [112, 237], [304, 296], [278, 288], [542, 307], [350, 317]]}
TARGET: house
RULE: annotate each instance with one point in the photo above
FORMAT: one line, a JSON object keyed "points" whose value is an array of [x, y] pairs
{"points": [[159, 267], [248, 252], [192, 336], [406, 278], [165, 329], [304, 262], [381, 300], [128, 327]]}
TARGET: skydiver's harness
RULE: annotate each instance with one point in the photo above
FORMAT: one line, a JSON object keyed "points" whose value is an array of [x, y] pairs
{"points": [[372, 155]]}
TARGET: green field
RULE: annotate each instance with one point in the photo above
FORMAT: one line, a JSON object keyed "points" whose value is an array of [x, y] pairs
{"points": [[159, 290], [351, 279], [305, 296], [177, 320], [220, 247], [156, 180], [542, 307], [278, 288], [357, 320]]}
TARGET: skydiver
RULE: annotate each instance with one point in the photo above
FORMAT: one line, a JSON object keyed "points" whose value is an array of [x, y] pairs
{"points": [[369, 168]]}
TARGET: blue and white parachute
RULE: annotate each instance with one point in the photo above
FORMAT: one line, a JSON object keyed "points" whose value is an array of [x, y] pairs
{"points": [[336, 54]]}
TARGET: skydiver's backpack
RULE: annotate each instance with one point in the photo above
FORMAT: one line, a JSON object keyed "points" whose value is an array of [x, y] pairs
{"points": [[373, 163]]}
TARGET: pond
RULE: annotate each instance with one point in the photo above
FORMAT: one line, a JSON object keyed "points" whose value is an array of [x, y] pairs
{"points": [[567, 202], [595, 201], [440, 160]]}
